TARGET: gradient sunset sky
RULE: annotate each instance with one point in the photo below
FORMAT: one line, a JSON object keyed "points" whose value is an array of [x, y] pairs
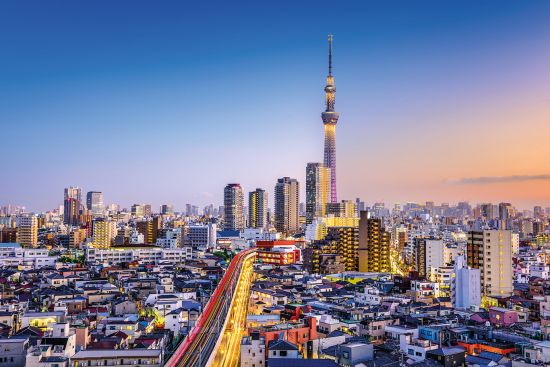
{"points": [[167, 101]]}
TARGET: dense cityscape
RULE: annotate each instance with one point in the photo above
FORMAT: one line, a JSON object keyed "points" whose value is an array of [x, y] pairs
{"points": [[271, 278]]}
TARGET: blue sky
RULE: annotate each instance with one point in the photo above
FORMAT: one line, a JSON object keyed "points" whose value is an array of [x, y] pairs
{"points": [[166, 102]]}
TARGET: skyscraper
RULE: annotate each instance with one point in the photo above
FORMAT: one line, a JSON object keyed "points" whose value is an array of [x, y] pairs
{"points": [[287, 202], [94, 202], [71, 206], [317, 190], [330, 119], [257, 209], [233, 207]]}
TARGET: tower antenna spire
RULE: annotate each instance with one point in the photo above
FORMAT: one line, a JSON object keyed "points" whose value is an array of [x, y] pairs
{"points": [[330, 54]]}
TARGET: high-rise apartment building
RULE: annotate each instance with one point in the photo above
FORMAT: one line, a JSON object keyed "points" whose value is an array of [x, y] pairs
{"points": [[428, 255], [317, 190], [77, 236], [233, 207], [343, 209], [149, 228], [200, 235], [8, 235], [490, 251], [330, 119], [287, 202], [257, 209], [71, 206], [338, 251], [374, 245], [104, 232], [27, 230], [94, 202]]}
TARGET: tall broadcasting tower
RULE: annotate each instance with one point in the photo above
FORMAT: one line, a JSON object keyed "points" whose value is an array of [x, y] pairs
{"points": [[330, 119]]}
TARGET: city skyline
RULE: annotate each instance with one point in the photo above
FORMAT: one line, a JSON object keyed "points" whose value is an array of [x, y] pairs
{"points": [[437, 121]]}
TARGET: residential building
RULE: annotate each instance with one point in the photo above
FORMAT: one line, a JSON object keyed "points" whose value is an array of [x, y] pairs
{"points": [[257, 209], [233, 207], [201, 235], [71, 206], [118, 357], [253, 350], [317, 190], [428, 255], [149, 228], [104, 232], [287, 202], [27, 230], [465, 285], [374, 245], [490, 251]]}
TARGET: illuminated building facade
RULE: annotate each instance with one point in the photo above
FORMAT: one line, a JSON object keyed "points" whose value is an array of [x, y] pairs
{"points": [[317, 190], [341, 243], [27, 231], [149, 228], [345, 208], [319, 228], [490, 251], [104, 232], [330, 119], [277, 252], [257, 209], [374, 245]]}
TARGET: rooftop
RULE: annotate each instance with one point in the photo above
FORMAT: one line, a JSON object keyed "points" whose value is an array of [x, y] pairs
{"points": [[131, 353]]}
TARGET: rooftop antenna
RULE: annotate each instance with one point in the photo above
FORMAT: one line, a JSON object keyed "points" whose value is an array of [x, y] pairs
{"points": [[330, 54]]}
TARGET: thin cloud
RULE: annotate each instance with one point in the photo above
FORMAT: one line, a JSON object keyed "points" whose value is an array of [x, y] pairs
{"points": [[498, 179]]}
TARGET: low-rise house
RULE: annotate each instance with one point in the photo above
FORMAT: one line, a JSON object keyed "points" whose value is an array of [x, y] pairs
{"points": [[42, 320], [352, 354], [374, 328], [253, 351], [448, 357], [282, 349], [502, 316], [14, 351]]}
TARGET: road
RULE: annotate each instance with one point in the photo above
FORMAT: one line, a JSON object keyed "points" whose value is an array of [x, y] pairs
{"points": [[198, 347]]}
